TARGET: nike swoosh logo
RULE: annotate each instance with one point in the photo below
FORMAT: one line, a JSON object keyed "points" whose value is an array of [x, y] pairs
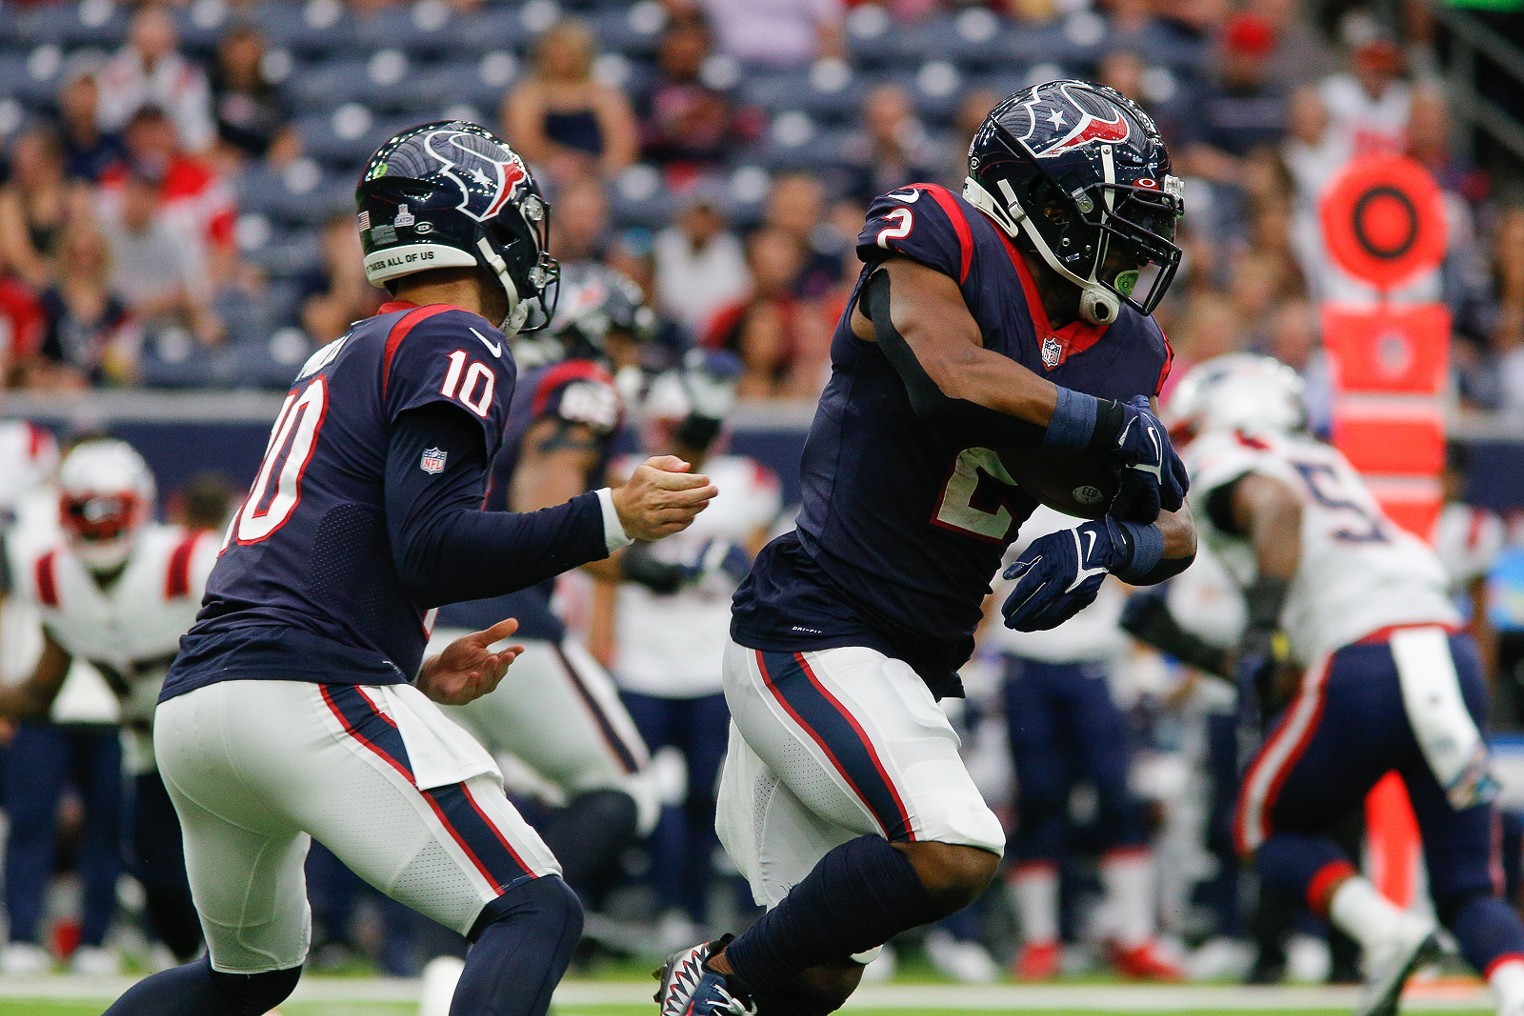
{"points": [[1082, 573], [1153, 435], [910, 196], [1089, 546], [495, 348], [1122, 437]]}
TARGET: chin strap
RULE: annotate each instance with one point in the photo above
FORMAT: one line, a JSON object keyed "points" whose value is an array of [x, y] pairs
{"points": [[518, 309], [1097, 303]]}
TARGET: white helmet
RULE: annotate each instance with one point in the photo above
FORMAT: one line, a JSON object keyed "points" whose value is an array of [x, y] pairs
{"points": [[1238, 391], [105, 496]]}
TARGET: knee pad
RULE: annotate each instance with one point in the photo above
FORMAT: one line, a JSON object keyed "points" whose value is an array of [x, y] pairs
{"points": [[255, 994], [546, 902]]}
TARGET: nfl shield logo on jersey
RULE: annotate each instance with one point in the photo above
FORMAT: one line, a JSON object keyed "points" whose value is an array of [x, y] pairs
{"points": [[1052, 352], [433, 460]]}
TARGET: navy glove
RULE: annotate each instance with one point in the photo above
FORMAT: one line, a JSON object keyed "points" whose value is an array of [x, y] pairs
{"points": [[1150, 475], [1059, 574]]}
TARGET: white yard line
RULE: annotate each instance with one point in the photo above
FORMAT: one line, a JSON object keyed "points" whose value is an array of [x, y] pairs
{"points": [[909, 997]]}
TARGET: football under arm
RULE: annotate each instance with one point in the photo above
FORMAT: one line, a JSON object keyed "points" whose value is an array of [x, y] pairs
{"points": [[445, 547], [31, 699], [919, 319]]}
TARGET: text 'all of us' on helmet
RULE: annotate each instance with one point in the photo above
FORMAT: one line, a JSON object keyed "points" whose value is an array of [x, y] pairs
{"points": [[452, 194], [1078, 173]]}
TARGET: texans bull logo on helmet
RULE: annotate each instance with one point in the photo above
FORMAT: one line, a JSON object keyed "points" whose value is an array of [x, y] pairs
{"points": [[1088, 120], [477, 166]]}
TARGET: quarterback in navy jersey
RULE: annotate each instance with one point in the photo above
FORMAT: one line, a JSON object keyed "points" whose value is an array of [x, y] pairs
{"points": [[1014, 316], [300, 704]]}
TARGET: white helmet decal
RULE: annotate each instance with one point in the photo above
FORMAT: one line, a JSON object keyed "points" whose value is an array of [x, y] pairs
{"points": [[474, 164]]}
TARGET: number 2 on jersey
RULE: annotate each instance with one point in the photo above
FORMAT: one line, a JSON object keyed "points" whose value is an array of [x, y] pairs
{"points": [[293, 439], [957, 510]]}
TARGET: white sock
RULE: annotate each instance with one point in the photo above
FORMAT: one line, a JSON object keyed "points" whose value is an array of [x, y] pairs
{"points": [[1036, 887], [1362, 913], [1507, 982], [1128, 878]]}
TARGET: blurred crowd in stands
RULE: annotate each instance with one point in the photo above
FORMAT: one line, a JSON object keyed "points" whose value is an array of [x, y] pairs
{"points": [[174, 207]]}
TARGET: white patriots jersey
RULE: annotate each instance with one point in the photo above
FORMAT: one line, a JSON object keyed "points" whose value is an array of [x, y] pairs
{"points": [[130, 630], [673, 646], [1468, 540], [1359, 572], [28, 456], [1091, 635]]}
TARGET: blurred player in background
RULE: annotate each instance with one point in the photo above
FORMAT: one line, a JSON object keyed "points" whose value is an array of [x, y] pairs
{"points": [[1468, 540], [117, 591], [561, 713], [1013, 317], [1065, 728], [1390, 681], [301, 704], [665, 648]]}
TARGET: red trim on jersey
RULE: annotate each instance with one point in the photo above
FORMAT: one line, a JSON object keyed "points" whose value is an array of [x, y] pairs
{"points": [[954, 213], [1169, 362], [1316, 686], [562, 373], [1074, 337], [1385, 634], [1250, 441], [47, 579], [1508, 957], [1474, 530], [36, 440], [1321, 886], [177, 575], [400, 331]]}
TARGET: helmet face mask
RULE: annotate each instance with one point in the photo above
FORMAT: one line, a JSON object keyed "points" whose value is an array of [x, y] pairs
{"points": [[451, 194], [1077, 173]]}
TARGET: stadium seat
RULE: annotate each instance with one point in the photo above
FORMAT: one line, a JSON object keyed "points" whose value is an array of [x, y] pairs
{"points": [[830, 93], [87, 23], [632, 31], [31, 77], [270, 360], [317, 29], [172, 359]]}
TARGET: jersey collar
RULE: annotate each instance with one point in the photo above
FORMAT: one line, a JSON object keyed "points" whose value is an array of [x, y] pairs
{"points": [[1054, 344], [393, 306]]}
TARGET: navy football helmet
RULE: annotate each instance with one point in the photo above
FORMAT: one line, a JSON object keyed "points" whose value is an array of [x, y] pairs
{"points": [[451, 194], [595, 303], [1078, 173]]}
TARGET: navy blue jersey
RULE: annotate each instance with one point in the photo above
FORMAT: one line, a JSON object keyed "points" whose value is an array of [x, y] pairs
{"points": [[578, 393], [306, 587], [902, 524]]}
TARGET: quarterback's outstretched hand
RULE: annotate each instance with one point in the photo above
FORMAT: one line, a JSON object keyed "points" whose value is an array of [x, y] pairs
{"points": [[1150, 475], [1059, 574], [468, 668], [661, 498]]}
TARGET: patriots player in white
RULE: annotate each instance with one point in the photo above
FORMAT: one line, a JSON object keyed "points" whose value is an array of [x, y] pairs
{"points": [[1390, 682], [118, 591], [665, 648]]}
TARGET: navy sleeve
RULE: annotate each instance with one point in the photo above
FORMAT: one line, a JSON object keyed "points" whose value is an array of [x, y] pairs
{"points": [[444, 355], [446, 548], [5, 566], [924, 223]]}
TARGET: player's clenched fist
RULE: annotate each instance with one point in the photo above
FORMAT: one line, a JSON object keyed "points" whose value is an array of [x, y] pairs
{"points": [[661, 498]]}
